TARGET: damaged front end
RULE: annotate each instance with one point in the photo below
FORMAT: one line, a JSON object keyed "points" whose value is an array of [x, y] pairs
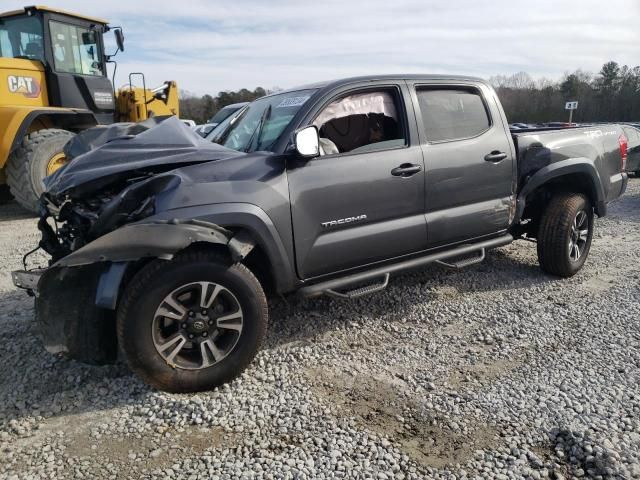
{"points": [[79, 221], [96, 224]]}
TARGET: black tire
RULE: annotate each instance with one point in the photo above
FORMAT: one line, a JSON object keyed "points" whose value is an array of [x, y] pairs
{"points": [[27, 166], [5, 194], [148, 291], [556, 245]]}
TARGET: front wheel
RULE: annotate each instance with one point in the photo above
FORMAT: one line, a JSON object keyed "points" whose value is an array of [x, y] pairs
{"points": [[192, 323], [565, 233]]}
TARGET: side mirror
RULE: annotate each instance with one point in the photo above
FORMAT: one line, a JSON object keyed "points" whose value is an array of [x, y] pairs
{"points": [[119, 38], [307, 142]]}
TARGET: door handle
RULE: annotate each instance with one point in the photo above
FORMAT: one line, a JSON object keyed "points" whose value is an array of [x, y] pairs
{"points": [[406, 170], [495, 156]]}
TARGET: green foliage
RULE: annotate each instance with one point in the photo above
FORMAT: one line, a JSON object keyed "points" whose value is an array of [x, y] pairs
{"points": [[612, 95], [201, 109]]}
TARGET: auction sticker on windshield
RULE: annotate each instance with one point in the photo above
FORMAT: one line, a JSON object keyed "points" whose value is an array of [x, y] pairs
{"points": [[293, 101]]}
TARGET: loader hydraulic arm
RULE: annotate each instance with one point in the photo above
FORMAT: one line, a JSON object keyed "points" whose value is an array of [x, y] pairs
{"points": [[135, 104]]}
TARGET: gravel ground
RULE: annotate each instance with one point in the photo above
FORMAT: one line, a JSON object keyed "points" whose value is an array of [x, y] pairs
{"points": [[498, 371]]}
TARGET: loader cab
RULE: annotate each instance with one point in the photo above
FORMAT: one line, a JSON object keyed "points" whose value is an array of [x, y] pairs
{"points": [[71, 49]]}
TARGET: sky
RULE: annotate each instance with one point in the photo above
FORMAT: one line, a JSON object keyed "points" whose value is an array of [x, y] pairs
{"points": [[210, 46]]}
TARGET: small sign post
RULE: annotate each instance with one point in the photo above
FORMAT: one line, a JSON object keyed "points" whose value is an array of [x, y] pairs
{"points": [[571, 106]]}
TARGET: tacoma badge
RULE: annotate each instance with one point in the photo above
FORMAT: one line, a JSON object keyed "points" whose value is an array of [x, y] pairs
{"points": [[333, 223]]}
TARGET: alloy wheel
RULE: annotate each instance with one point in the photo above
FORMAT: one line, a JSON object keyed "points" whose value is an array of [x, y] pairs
{"points": [[579, 235], [197, 325]]}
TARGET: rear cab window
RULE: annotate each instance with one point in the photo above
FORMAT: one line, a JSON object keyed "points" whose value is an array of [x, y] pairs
{"points": [[452, 113]]}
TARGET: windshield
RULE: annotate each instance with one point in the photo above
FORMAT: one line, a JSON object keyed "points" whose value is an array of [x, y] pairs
{"points": [[215, 135], [224, 113], [263, 121], [21, 37]]}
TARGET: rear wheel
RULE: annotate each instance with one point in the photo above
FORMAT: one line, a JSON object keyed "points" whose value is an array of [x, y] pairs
{"points": [[39, 155], [565, 233], [192, 323]]}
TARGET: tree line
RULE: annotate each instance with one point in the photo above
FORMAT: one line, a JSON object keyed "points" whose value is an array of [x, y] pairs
{"points": [[612, 95], [201, 109]]}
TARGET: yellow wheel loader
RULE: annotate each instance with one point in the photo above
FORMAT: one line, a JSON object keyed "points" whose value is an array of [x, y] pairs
{"points": [[53, 83]]}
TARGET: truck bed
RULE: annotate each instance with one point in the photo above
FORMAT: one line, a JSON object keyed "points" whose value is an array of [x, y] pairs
{"points": [[538, 149]]}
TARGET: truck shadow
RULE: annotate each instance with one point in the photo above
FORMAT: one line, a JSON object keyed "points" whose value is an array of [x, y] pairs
{"points": [[40, 384], [12, 211], [37, 387], [627, 208], [36, 383], [300, 320]]}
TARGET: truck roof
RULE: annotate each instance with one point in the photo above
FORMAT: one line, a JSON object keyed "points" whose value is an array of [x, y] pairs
{"points": [[414, 76], [53, 10]]}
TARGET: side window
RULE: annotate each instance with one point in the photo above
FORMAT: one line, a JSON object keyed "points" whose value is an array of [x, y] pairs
{"points": [[6, 49], [361, 122], [452, 114], [75, 49]]}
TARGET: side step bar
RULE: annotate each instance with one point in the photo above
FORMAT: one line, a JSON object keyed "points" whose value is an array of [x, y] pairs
{"points": [[465, 262], [359, 292], [329, 287]]}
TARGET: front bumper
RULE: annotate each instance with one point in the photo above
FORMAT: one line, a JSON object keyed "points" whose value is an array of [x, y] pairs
{"points": [[27, 280]]}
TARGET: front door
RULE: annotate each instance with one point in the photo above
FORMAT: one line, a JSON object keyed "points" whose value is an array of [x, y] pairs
{"points": [[362, 200]]}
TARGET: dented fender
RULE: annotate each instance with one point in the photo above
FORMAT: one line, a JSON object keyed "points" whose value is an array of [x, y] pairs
{"points": [[77, 295], [150, 240], [154, 240]]}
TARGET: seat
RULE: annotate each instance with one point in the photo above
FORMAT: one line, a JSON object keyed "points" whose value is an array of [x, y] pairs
{"points": [[347, 132], [33, 50]]}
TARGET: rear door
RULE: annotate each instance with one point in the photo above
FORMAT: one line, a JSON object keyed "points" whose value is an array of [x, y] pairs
{"points": [[362, 201], [469, 161]]}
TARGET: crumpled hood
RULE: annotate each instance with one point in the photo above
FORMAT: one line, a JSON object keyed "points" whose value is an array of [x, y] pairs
{"points": [[103, 154]]}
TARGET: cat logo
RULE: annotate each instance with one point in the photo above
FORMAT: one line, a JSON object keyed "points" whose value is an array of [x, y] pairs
{"points": [[27, 86]]}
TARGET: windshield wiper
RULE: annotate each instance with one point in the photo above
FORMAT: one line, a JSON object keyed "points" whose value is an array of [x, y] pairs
{"points": [[223, 135], [259, 127]]}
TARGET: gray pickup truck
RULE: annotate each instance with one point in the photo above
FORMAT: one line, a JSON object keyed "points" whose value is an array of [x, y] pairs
{"points": [[162, 244]]}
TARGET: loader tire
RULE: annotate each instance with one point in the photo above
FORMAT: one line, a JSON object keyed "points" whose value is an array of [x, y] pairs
{"points": [[36, 157], [5, 194], [565, 233]]}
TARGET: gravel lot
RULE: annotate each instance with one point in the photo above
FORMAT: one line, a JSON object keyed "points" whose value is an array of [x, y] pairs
{"points": [[498, 371]]}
